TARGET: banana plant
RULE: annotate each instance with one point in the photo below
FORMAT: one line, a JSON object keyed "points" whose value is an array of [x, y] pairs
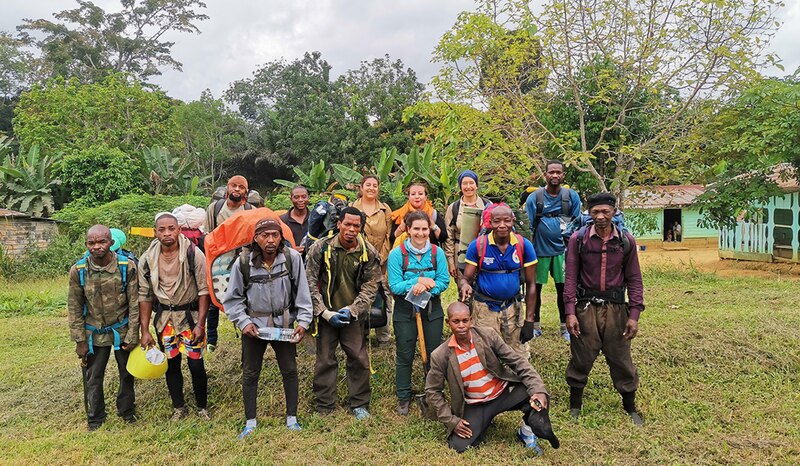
{"points": [[317, 180], [168, 174], [26, 183]]}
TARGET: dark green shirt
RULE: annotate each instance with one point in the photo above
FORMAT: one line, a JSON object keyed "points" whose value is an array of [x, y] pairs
{"points": [[347, 264]]}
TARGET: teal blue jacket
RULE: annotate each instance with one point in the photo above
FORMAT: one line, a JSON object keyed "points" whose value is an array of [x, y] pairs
{"points": [[400, 283]]}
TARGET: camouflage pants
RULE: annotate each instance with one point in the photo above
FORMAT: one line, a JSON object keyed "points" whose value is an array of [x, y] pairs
{"points": [[508, 323]]}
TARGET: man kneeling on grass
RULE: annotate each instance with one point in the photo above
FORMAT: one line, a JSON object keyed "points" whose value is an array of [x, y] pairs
{"points": [[485, 377]]}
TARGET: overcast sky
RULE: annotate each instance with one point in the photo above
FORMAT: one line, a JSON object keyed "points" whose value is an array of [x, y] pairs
{"points": [[241, 35]]}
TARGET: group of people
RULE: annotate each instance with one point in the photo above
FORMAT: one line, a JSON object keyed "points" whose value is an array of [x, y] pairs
{"points": [[405, 258]]}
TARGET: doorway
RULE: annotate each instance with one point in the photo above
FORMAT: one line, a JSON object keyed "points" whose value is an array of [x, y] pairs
{"points": [[670, 217]]}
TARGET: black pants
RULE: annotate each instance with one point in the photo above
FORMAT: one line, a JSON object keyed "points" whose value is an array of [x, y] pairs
{"points": [[480, 415], [212, 323], [253, 358], [93, 377], [199, 381], [562, 315]]}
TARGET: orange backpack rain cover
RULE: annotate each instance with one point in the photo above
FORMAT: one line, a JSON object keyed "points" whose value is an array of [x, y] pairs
{"points": [[222, 243]]}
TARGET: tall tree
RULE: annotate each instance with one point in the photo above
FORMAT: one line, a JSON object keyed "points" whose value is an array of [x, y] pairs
{"points": [[607, 61], [376, 94], [211, 135], [67, 116], [296, 112], [753, 136], [89, 43]]}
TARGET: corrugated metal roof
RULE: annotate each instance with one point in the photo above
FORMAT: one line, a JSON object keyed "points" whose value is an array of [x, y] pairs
{"points": [[12, 213], [7, 213], [662, 197]]}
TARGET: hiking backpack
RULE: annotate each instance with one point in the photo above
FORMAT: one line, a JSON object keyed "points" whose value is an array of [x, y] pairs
{"points": [[404, 252], [123, 261], [566, 207], [626, 242], [457, 205], [483, 242]]}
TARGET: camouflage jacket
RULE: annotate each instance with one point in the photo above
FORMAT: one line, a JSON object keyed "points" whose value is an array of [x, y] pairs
{"points": [[317, 270], [106, 304]]}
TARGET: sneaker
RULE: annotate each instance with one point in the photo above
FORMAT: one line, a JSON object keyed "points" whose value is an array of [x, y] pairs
{"points": [[93, 427], [361, 413], [178, 414], [211, 347], [294, 426], [131, 419], [565, 335], [203, 414], [529, 441], [537, 332], [636, 418], [575, 413], [246, 432], [402, 407]]}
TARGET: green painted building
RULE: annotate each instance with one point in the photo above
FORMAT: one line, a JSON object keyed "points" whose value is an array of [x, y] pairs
{"points": [[662, 207], [774, 235]]}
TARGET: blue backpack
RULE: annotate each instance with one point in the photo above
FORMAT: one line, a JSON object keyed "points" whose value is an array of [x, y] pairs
{"points": [[123, 260], [582, 222]]}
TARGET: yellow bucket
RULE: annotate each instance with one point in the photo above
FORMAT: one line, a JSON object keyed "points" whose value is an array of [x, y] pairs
{"points": [[141, 368]]}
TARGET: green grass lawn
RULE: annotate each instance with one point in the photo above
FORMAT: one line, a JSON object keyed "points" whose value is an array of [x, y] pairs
{"points": [[719, 361]]}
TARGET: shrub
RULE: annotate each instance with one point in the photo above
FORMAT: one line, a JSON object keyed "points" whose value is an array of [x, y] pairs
{"points": [[99, 175], [135, 210], [53, 261]]}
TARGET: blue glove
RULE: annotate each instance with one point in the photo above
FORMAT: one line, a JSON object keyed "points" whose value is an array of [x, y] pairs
{"points": [[345, 313], [337, 320]]}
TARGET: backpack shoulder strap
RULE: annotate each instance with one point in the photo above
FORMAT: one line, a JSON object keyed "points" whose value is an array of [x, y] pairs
{"points": [[190, 251], [434, 253], [122, 263], [520, 246], [454, 211], [217, 208], [626, 243], [482, 240], [404, 252], [580, 238], [244, 268], [566, 203], [290, 269], [81, 266], [539, 196], [248, 206]]}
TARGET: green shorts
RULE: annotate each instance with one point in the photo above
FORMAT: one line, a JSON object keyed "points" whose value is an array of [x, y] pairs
{"points": [[550, 265]]}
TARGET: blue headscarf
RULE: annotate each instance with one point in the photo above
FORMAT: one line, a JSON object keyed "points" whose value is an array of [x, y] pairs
{"points": [[467, 174]]}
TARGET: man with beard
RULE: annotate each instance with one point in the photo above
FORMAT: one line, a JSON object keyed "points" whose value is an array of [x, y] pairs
{"points": [[216, 213], [296, 218], [172, 281], [102, 313], [550, 210]]}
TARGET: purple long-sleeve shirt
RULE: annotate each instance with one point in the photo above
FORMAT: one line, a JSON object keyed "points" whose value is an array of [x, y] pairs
{"points": [[603, 271]]}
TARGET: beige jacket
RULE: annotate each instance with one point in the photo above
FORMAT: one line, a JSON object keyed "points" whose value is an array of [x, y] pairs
{"points": [[378, 228]]}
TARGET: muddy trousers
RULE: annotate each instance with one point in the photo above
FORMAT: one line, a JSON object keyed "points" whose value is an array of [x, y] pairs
{"points": [[93, 377], [480, 415], [197, 369], [326, 367], [601, 328], [252, 360]]}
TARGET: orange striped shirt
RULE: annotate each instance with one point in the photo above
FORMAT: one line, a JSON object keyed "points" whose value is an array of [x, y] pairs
{"points": [[480, 385]]}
